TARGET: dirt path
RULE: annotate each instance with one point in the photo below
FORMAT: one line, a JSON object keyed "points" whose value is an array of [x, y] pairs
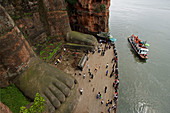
{"points": [[88, 102]]}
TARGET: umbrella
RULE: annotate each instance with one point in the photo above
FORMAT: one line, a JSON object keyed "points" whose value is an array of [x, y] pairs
{"points": [[112, 39], [110, 36], [147, 44]]}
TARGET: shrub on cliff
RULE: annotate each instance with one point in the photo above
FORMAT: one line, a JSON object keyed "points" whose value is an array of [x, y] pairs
{"points": [[97, 10], [70, 7], [71, 2], [103, 7], [13, 98], [37, 107]]}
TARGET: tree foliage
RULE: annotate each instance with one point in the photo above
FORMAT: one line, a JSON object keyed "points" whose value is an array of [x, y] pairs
{"points": [[71, 2], [13, 98], [103, 7], [37, 107]]}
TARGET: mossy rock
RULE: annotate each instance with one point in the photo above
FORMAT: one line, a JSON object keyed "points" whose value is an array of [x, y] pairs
{"points": [[81, 38], [79, 46], [53, 84]]}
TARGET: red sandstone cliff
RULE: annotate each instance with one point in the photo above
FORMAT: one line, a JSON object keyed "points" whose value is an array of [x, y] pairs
{"points": [[38, 19], [15, 51], [90, 15], [4, 108]]}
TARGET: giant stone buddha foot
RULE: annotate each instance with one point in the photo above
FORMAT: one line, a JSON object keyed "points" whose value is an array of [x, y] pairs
{"points": [[31, 74], [54, 85]]}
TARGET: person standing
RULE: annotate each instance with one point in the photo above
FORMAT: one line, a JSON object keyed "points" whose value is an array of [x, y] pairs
{"points": [[110, 102], [95, 70], [111, 74], [113, 84], [80, 73], [109, 46], [105, 89], [113, 59], [84, 76], [64, 50], [107, 65], [92, 76], [114, 106], [81, 91], [98, 95], [107, 103], [87, 66], [75, 54], [109, 110], [102, 102]]}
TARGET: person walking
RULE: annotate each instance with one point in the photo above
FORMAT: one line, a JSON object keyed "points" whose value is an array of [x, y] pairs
{"points": [[89, 69], [111, 74], [95, 70], [80, 73], [64, 50], [107, 103], [113, 59], [114, 107], [84, 76], [110, 102], [113, 66], [109, 110], [98, 95], [107, 65], [105, 89], [109, 46], [102, 102], [92, 76], [75, 54], [87, 66], [113, 84], [107, 72]]}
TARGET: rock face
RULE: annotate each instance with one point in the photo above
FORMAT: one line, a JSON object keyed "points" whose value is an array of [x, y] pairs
{"points": [[39, 19], [15, 51], [89, 15], [27, 18], [56, 18], [31, 74], [4, 108]]}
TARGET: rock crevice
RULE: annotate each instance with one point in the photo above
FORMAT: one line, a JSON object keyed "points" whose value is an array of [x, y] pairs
{"points": [[90, 16]]}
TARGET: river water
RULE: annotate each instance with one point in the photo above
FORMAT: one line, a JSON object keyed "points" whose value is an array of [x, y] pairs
{"points": [[144, 86]]}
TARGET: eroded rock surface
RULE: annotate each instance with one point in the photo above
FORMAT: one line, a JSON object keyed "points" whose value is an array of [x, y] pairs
{"points": [[54, 85], [56, 16], [15, 52], [90, 16], [39, 19], [4, 108], [31, 74]]}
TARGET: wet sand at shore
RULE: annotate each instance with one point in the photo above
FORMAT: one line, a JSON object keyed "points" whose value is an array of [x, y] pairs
{"points": [[88, 102]]}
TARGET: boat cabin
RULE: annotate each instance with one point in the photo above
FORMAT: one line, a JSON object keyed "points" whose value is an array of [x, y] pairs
{"points": [[143, 51]]}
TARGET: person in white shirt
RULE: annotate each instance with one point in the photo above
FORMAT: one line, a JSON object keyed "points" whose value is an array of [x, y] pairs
{"points": [[81, 91]]}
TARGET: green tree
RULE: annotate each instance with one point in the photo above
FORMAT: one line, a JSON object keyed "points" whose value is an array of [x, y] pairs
{"points": [[37, 107], [103, 7], [97, 10]]}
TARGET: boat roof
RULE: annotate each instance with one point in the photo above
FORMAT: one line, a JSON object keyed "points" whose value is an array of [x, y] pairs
{"points": [[144, 49]]}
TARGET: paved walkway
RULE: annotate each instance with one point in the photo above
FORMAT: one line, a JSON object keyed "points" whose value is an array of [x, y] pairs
{"points": [[88, 102]]}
